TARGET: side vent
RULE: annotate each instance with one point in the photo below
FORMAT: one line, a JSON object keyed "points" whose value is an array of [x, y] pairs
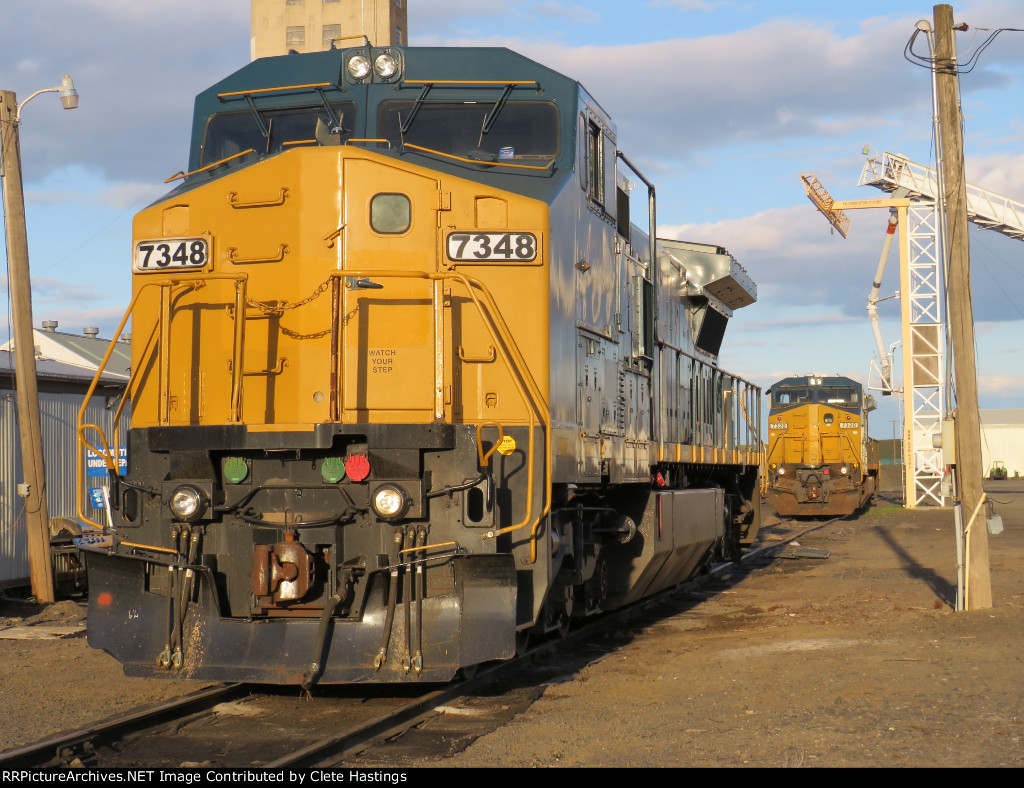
{"points": [[708, 326]]}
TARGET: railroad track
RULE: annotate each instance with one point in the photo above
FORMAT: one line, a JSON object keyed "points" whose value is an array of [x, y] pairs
{"points": [[241, 725]]}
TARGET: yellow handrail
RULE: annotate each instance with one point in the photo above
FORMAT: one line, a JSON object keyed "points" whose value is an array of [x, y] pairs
{"points": [[481, 297], [503, 82], [109, 456], [483, 457], [515, 362], [253, 92], [181, 174], [520, 373]]}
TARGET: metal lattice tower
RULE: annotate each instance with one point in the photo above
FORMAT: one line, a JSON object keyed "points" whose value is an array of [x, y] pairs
{"points": [[923, 297], [923, 360]]}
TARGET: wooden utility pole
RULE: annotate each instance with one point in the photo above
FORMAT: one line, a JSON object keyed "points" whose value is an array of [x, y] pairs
{"points": [[36, 514], [969, 470]]}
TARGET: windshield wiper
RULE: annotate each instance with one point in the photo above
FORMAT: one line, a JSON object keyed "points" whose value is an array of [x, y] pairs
{"points": [[256, 114], [335, 121], [415, 108], [489, 121]]}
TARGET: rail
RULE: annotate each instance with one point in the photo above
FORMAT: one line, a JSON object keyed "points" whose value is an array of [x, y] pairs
{"points": [[738, 431], [503, 344]]}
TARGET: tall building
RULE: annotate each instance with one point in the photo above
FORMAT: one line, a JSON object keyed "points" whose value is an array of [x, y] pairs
{"points": [[283, 26]]}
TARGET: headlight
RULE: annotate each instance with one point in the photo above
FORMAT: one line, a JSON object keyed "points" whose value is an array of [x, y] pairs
{"points": [[359, 67], [390, 502], [844, 470], [385, 66], [188, 503], [782, 471]]}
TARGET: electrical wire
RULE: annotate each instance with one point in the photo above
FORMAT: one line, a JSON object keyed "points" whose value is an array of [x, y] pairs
{"points": [[965, 67]]}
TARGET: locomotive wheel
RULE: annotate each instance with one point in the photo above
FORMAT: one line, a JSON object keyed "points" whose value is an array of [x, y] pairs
{"points": [[559, 607]]}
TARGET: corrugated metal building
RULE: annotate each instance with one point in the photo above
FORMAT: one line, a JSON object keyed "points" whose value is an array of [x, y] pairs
{"points": [[1002, 440], [62, 388]]}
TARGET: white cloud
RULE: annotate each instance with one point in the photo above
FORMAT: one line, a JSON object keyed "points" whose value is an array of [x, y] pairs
{"points": [[129, 195], [1003, 174], [39, 197], [137, 69], [1002, 383], [46, 290]]}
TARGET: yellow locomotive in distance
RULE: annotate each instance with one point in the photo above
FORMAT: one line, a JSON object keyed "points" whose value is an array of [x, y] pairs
{"points": [[820, 459]]}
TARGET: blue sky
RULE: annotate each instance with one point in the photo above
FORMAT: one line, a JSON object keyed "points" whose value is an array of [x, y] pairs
{"points": [[722, 104]]}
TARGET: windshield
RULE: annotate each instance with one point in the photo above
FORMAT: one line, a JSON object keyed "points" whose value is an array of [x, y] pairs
{"points": [[838, 395], [521, 130], [791, 395], [831, 395], [233, 133]]}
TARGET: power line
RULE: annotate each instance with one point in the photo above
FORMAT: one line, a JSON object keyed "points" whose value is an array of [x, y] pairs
{"points": [[967, 66]]}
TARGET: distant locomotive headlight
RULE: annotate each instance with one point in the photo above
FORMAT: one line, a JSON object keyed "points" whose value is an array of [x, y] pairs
{"points": [[385, 66], [359, 67], [843, 470], [391, 502], [828, 418], [188, 503], [782, 471]]}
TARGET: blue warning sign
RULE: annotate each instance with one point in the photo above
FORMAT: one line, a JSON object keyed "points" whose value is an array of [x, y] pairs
{"points": [[96, 466]]}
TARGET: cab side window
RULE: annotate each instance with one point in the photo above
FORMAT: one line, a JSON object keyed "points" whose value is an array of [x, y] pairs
{"points": [[596, 164], [595, 161]]}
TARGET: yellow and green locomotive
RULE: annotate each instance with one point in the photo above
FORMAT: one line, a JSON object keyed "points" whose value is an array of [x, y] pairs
{"points": [[408, 384], [820, 459]]}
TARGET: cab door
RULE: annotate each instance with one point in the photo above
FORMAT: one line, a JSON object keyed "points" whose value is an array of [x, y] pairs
{"points": [[392, 367]]}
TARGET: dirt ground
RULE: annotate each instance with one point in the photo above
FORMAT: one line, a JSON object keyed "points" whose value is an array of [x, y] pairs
{"points": [[857, 660]]}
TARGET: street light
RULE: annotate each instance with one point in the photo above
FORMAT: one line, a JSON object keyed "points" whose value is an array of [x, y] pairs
{"points": [[34, 488], [68, 96]]}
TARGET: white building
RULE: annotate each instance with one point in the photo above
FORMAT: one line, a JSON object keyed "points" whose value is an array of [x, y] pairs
{"points": [[85, 350], [1002, 440]]}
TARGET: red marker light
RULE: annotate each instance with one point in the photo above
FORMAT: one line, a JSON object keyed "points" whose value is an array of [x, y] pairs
{"points": [[357, 467], [104, 599]]}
